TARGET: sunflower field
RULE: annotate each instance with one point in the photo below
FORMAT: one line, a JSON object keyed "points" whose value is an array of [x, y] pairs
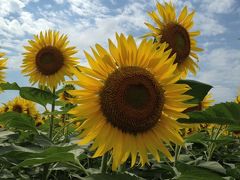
{"points": [[130, 114]]}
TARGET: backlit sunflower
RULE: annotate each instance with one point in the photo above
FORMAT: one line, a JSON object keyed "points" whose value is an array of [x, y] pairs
{"points": [[3, 62], [130, 100], [48, 59], [176, 32]]}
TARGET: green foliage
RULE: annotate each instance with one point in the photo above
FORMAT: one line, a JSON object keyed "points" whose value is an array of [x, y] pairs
{"points": [[37, 95], [197, 173], [112, 176], [18, 121], [9, 86], [198, 90], [224, 113]]}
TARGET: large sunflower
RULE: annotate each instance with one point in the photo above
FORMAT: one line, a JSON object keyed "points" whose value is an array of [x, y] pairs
{"points": [[48, 59], [130, 100], [3, 62], [176, 32]]}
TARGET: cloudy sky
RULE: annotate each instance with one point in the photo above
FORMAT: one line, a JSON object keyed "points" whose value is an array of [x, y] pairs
{"points": [[94, 21]]}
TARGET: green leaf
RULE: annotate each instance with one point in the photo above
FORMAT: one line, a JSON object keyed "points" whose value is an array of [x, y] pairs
{"points": [[5, 134], [196, 173], [224, 113], [196, 137], [112, 176], [198, 90], [37, 95], [213, 166], [34, 157], [57, 157], [18, 121], [9, 86]]}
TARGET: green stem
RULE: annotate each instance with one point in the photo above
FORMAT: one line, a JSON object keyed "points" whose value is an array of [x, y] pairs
{"points": [[104, 163], [177, 153], [213, 145], [60, 131], [80, 167], [51, 127]]}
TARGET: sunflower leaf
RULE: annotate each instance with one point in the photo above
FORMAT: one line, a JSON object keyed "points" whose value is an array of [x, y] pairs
{"points": [[18, 121], [196, 173], [112, 176], [198, 90], [37, 95], [224, 113], [9, 86]]}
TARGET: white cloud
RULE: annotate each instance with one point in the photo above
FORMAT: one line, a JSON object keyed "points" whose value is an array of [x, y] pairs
{"points": [[209, 25], [11, 6], [59, 1], [220, 68], [90, 8], [217, 6]]}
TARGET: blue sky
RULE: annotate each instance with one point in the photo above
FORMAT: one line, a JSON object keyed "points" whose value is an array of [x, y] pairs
{"points": [[94, 21]]}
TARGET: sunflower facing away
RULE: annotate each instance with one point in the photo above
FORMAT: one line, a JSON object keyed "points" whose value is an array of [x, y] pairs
{"points": [[204, 104], [176, 32], [48, 59], [3, 62], [130, 100]]}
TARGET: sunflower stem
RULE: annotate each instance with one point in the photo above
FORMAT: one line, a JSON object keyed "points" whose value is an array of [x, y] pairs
{"points": [[104, 163], [213, 144], [177, 153], [51, 127]]}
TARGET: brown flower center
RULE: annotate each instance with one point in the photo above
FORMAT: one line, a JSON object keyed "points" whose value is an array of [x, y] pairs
{"points": [[132, 100], [17, 108], [178, 39], [49, 60]]}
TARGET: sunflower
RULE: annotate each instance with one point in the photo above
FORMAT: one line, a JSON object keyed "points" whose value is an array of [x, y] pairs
{"points": [[236, 134], [3, 62], [21, 105], [176, 32], [129, 96], [39, 120], [204, 104], [48, 59], [64, 96], [18, 104]]}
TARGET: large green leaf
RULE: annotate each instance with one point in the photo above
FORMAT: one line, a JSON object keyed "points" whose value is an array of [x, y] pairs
{"points": [[18, 121], [198, 90], [51, 158], [197, 173], [33, 157], [9, 86], [112, 176], [223, 113], [37, 95]]}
